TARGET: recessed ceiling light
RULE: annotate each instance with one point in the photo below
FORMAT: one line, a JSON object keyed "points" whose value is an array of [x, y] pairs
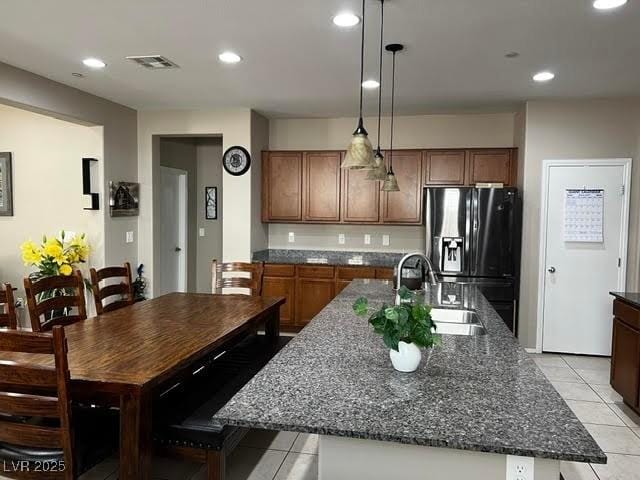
{"points": [[346, 19], [370, 84], [544, 76], [608, 4], [229, 57], [94, 63]]}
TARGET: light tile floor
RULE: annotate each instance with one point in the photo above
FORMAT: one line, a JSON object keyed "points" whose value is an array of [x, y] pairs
{"points": [[582, 381]]}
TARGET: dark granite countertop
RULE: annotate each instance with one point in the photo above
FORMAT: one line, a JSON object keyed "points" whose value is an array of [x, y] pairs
{"points": [[472, 393], [300, 257], [632, 298]]}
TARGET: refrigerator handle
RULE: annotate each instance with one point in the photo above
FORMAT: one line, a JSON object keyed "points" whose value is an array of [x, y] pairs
{"points": [[473, 268], [428, 239]]}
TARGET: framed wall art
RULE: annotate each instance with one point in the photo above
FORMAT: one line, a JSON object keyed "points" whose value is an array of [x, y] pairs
{"points": [[6, 185], [211, 203], [124, 199]]}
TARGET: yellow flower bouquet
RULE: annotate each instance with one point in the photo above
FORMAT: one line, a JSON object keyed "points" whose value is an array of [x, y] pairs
{"points": [[55, 255]]}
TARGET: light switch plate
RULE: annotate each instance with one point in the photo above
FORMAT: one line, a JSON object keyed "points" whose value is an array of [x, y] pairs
{"points": [[367, 239], [201, 232], [129, 237], [292, 237], [341, 238], [385, 240]]}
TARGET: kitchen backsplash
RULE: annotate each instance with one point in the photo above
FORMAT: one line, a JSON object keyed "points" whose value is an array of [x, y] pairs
{"points": [[326, 237]]}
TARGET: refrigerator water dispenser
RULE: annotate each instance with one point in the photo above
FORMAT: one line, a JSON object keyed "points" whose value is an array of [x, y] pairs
{"points": [[452, 252]]}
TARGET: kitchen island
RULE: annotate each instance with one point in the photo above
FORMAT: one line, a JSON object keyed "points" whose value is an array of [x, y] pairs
{"points": [[474, 401]]}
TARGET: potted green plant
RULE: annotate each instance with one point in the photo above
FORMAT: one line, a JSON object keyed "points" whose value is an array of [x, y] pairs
{"points": [[405, 328]]}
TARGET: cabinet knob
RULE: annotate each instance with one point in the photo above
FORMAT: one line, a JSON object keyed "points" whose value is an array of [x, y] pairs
{"points": [[551, 269]]}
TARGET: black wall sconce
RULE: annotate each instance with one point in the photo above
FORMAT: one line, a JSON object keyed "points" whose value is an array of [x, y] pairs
{"points": [[86, 183]]}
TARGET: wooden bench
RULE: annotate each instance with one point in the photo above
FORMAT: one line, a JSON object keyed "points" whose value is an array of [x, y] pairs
{"points": [[183, 427]]}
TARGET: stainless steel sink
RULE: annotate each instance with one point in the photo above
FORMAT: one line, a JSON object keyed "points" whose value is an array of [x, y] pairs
{"points": [[450, 315], [451, 321], [468, 329]]}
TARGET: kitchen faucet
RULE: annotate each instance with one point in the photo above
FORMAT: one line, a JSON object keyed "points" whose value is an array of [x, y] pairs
{"points": [[431, 273]]}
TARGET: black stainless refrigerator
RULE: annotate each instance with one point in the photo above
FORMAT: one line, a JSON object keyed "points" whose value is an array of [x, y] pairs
{"points": [[473, 236]]}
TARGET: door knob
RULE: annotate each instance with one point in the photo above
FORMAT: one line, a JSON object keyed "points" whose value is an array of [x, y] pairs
{"points": [[178, 249], [552, 270]]}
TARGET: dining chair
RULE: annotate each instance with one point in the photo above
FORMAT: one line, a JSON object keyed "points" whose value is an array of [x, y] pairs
{"points": [[8, 317], [59, 299], [122, 291], [234, 275], [35, 408]]}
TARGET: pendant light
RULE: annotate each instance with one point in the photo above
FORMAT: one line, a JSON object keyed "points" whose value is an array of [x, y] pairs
{"points": [[391, 182], [379, 172], [360, 152]]}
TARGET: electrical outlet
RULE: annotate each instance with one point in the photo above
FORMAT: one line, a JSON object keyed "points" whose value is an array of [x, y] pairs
{"points": [[129, 237], [292, 237], [367, 239], [341, 239], [201, 231], [385, 240], [520, 468]]}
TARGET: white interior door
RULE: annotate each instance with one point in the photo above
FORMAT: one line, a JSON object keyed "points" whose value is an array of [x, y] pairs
{"points": [[173, 219], [578, 275]]}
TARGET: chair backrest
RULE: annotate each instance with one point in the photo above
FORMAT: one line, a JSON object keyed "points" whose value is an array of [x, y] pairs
{"points": [[54, 298], [118, 294], [222, 276], [35, 408], [8, 317]]}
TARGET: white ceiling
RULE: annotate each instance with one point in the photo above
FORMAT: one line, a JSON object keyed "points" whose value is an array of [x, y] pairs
{"points": [[298, 64]]}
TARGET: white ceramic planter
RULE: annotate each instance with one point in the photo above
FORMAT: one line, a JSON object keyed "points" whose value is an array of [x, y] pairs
{"points": [[407, 358]]}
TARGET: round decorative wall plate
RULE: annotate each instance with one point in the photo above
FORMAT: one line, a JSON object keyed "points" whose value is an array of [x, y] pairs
{"points": [[236, 160]]}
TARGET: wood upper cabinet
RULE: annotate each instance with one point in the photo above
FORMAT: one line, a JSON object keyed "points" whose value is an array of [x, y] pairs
{"points": [[405, 206], [282, 186], [492, 166], [360, 198], [444, 167], [321, 186]]}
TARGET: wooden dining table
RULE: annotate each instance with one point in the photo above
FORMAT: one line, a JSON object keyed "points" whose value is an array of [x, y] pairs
{"points": [[126, 357]]}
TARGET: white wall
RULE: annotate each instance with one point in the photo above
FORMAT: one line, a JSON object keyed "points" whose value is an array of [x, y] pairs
{"points": [[573, 130], [32, 92], [47, 187], [426, 131], [259, 142], [234, 126]]}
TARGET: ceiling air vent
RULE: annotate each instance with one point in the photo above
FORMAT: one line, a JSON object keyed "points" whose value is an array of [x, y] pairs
{"points": [[153, 62]]}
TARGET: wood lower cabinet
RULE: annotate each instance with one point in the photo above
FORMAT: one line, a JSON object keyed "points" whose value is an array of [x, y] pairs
{"points": [[625, 354], [312, 296], [405, 206], [309, 288], [282, 187], [444, 167], [384, 273], [321, 185]]}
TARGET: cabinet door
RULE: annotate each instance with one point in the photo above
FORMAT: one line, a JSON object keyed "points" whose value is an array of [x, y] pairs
{"points": [[405, 206], [360, 198], [492, 166], [312, 296], [321, 185], [282, 187], [341, 285], [282, 287], [625, 361], [444, 167], [384, 273]]}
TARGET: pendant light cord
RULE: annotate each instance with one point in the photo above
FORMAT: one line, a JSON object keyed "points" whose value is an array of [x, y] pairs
{"points": [[362, 60], [380, 75], [393, 94]]}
